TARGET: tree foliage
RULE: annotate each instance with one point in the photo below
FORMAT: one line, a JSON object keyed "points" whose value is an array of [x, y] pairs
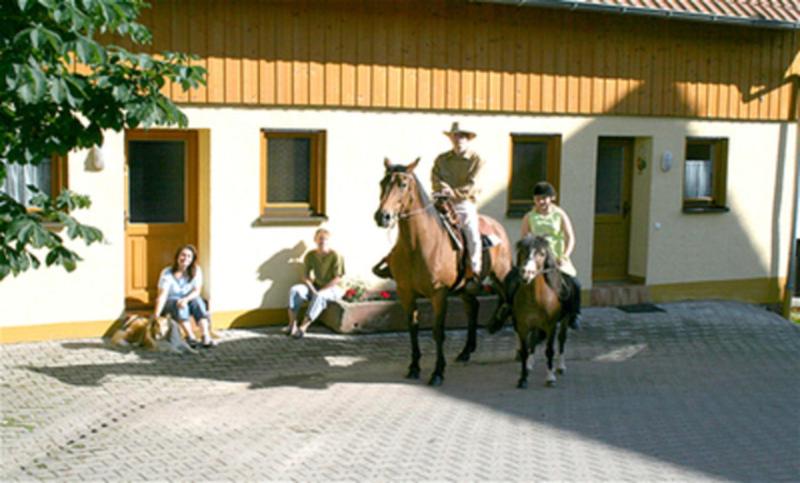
{"points": [[49, 107]]}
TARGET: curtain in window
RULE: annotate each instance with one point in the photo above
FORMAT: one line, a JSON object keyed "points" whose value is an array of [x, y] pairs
{"points": [[697, 183], [18, 176]]}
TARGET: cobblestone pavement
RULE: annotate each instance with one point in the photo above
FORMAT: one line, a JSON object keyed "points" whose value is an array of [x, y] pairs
{"points": [[702, 391]]}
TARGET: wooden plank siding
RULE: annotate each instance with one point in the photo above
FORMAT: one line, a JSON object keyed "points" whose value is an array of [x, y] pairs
{"points": [[472, 57]]}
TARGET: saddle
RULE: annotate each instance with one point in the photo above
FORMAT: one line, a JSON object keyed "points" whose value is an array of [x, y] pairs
{"points": [[454, 228]]}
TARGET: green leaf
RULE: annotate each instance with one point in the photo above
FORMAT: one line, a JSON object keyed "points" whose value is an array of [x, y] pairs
{"points": [[23, 4]]}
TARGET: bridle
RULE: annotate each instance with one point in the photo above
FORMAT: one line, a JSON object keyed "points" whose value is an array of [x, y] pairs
{"points": [[403, 213]]}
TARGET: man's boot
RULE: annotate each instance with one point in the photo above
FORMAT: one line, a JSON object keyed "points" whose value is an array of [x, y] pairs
{"points": [[381, 269]]}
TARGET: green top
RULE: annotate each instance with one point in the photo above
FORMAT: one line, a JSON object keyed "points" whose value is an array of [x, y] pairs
{"points": [[550, 227], [325, 267]]}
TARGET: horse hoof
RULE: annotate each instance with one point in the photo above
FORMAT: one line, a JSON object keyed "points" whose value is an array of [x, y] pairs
{"points": [[463, 357], [412, 374], [550, 383], [561, 370], [435, 380], [522, 384]]}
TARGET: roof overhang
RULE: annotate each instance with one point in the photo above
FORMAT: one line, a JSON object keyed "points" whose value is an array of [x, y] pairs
{"points": [[776, 15]]}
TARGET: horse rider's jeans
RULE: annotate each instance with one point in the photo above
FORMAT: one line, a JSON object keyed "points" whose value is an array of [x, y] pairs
{"points": [[196, 307], [468, 215], [301, 293]]}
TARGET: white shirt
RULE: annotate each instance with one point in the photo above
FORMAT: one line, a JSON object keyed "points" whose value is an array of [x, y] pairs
{"points": [[178, 288]]}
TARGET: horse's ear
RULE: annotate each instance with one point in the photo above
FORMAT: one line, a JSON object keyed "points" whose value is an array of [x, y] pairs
{"points": [[387, 163], [413, 165]]}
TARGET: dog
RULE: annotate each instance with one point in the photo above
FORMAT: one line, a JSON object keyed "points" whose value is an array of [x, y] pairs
{"points": [[154, 334]]}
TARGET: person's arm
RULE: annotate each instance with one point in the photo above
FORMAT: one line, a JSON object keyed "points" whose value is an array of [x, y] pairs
{"points": [[308, 269], [569, 233], [198, 287], [161, 301], [163, 292], [470, 189]]}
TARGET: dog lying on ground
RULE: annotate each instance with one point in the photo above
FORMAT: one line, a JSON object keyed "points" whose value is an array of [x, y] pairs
{"points": [[160, 333]]}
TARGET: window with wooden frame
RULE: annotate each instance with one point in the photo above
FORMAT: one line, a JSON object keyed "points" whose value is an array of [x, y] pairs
{"points": [[49, 176], [705, 175], [292, 175], [534, 158]]}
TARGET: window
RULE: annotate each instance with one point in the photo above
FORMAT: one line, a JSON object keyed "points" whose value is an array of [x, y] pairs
{"points": [[292, 174], [49, 176], [704, 175], [534, 158]]}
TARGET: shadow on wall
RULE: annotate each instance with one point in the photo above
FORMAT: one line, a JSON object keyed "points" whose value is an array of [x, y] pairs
{"points": [[274, 269]]}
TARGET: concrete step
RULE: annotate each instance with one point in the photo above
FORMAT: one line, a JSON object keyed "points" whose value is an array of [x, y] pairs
{"points": [[605, 295]]}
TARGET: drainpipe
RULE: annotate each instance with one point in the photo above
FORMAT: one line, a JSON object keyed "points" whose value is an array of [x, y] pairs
{"points": [[652, 12], [792, 272]]}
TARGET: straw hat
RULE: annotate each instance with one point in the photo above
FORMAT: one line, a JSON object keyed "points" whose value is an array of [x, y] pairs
{"points": [[456, 129]]}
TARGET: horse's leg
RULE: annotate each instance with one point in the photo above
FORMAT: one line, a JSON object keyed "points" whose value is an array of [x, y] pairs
{"points": [[413, 331], [471, 305], [561, 365], [551, 375], [439, 305], [535, 336], [522, 334]]}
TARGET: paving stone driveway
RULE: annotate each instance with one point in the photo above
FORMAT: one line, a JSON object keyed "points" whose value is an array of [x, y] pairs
{"points": [[703, 391]]}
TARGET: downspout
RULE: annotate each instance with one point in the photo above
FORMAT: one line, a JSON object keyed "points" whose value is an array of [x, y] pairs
{"points": [[652, 12], [792, 272]]}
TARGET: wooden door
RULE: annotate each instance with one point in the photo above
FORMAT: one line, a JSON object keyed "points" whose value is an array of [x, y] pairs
{"points": [[612, 209], [160, 206]]}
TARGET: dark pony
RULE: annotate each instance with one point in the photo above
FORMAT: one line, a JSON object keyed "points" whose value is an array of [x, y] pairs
{"points": [[537, 310], [425, 264]]}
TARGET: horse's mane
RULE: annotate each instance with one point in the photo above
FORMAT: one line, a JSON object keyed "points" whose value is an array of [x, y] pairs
{"points": [[424, 197]]}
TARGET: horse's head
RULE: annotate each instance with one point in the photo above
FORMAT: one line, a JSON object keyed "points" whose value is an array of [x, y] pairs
{"points": [[534, 257], [398, 192]]}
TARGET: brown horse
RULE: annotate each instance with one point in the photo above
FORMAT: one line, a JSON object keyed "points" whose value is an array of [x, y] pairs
{"points": [[537, 309], [425, 264]]}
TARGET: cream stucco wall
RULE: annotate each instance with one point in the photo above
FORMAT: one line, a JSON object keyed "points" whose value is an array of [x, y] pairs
{"points": [[252, 266]]}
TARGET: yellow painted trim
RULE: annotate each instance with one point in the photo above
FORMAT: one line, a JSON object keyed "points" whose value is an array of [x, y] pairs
{"points": [[63, 330], [248, 318], [753, 290]]}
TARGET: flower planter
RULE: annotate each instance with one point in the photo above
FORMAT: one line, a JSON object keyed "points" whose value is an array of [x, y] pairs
{"points": [[388, 316]]}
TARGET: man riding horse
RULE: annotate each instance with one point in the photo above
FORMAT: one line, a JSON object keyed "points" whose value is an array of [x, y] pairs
{"points": [[454, 176]]}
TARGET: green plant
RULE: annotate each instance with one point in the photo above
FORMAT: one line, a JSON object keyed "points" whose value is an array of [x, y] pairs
{"points": [[49, 108]]}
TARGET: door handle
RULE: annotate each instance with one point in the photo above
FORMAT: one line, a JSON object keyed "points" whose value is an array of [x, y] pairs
{"points": [[626, 208]]}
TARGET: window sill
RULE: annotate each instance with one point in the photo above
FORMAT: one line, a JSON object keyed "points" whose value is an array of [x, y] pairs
{"points": [[691, 210], [314, 220]]}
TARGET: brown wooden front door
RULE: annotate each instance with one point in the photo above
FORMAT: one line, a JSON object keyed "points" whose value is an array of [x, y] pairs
{"points": [[612, 209], [160, 206]]}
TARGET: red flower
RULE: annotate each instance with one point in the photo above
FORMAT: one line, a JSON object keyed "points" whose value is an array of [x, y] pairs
{"points": [[350, 293], [385, 295]]}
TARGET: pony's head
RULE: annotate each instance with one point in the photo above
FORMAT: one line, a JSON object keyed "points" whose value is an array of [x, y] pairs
{"points": [[399, 189], [534, 257]]}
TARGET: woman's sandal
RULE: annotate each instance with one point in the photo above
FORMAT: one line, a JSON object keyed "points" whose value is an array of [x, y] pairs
{"points": [[211, 343]]}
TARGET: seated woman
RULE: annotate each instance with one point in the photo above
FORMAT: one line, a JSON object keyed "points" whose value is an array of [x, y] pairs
{"points": [[550, 221], [323, 269], [179, 295]]}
